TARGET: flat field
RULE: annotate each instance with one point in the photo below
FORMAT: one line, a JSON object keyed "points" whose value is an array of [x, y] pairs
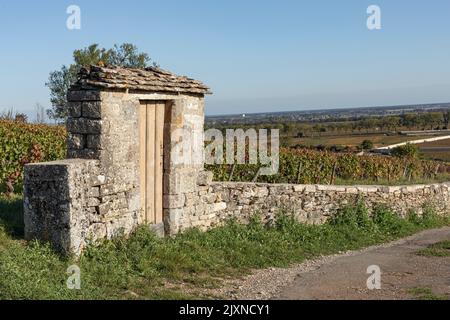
{"points": [[353, 140]]}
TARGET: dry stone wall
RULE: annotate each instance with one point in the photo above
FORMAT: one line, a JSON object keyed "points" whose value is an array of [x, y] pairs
{"points": [[215, 202], [61, 203]]}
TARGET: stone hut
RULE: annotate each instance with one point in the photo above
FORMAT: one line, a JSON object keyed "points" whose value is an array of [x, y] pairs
{"points": [[135, 148]]}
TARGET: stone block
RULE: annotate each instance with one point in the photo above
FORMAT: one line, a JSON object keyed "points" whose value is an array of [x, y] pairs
{"points": [[191, 199], [351, 190], [94, 141], [75, 141], [97, 180], [91, 109], [172, 183], [83, 154], [299, 188], [84, 126], [180, 182], [208, 198], [74, 109], [367, 189], [111, 189], [205, 178], [310, 188], [93, 202], [173, 201], [219, 206], [172, 219], [94, 192], [84, 95]]}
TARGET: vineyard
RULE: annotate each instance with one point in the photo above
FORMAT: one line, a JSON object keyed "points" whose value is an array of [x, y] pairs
{"points": [[22, 143], [304, 166]]}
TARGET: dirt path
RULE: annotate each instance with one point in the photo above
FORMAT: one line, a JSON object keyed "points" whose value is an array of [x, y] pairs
{"points": [[344, 276], [392, 146]]}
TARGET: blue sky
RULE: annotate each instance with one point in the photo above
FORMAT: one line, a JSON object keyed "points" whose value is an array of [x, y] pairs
{"points": [[255, 55]]}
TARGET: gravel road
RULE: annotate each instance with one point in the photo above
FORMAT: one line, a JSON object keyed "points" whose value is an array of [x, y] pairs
{"points": [[344, 276]]}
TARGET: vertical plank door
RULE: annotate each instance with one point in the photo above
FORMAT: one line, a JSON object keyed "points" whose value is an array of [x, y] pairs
{"points": [[151, 128], [159, 157], [143, 159]]}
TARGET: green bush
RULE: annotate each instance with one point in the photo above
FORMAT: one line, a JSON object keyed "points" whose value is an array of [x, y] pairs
{"points": [[367, 145], [356, 217], [408, 150]]}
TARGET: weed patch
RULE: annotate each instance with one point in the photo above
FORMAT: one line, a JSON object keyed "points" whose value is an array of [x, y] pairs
{"points": [[426, 294], [441, 249]]}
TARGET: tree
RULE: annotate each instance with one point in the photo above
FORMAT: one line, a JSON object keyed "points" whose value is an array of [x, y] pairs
{"points": [[446, 118], [59, 82], [393, 122], [407, 150], [367, 145], [432, 119]]}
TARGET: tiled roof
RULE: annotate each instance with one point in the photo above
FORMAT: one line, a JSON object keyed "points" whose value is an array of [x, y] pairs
{"points": [[150, 79]]}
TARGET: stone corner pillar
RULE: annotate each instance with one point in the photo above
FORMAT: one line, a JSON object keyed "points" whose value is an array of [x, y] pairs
{"points": [[56, 195]]}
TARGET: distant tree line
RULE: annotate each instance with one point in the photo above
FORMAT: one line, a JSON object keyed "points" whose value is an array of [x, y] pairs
{"points": [[408, 121]]}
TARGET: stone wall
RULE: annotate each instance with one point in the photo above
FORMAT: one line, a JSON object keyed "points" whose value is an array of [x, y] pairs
{"points": [[84, 124], [216, 202], [61, 203]]}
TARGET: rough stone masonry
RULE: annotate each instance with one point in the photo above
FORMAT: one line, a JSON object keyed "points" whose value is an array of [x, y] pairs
{"points": [[96, 194]]}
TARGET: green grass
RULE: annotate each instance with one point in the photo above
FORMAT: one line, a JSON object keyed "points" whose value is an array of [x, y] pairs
{"points": [[426, 294], [11, 214], [440, 249], [146, 267]]}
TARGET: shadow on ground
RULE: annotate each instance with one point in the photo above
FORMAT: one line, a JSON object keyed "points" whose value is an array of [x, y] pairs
{"points": [[11, 215]]}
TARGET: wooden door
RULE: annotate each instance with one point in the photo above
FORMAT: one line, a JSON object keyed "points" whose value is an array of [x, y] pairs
{"points": [[151, 149]]}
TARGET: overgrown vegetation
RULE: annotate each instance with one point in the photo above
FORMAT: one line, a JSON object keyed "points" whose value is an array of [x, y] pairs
{"points": [[147, 267], [22, 143], [426, 294], [441, 249]]}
